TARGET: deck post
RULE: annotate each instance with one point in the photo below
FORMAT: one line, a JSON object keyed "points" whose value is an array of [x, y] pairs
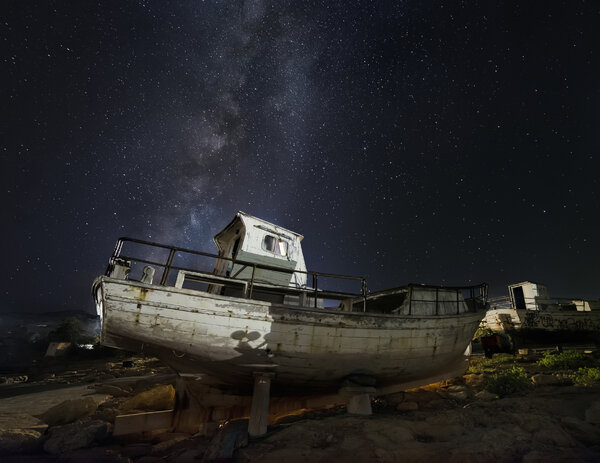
{"points": [[358, 397], [259, 411], [359, 404]]}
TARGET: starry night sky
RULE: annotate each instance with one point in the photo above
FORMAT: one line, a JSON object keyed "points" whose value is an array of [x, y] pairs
{"points": [[415, 141]]}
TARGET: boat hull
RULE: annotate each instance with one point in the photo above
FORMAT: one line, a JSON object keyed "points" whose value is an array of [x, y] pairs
{"points": [[226, 339], [548, 326]]}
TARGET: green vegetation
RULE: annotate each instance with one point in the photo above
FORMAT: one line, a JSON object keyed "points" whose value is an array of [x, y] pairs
{"points": [[481, 332], [508, 382], [490, 365], [567, 360], [586, 376]]}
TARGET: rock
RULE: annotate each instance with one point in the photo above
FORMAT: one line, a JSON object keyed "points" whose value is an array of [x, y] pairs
{"points": [[457, 388], [166, 445], [545, 380], [150, 459], [106, 414], [77, 435], [459, 395], [407, 406], [58, 349], [473, 380], [552, 434], [436, 404], [584, 432], [383, 434], [159, 398], [416, 395], [231, 437], [111, 390], [136, 450], [556, 456], [531, 422], [19, 441], [69, 411], [19, 420], [95, 455], [486, 395], [592, 414], [438, 432]]}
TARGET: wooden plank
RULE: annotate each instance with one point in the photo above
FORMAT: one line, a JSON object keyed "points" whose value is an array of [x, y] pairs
{"points": [[142, 422]]}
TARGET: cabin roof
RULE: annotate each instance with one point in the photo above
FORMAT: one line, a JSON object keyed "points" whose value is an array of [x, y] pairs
{"points": [[526, 282], [248, 219]]}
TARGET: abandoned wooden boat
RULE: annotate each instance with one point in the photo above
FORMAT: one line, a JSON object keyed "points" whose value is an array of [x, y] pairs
{"points": [[528, 313], [256, 313]]}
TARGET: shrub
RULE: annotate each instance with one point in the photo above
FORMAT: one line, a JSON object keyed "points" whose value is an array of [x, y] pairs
{"points": [[70, 330], [586, 376], [490, 365], [508, 382], [567, 360]]}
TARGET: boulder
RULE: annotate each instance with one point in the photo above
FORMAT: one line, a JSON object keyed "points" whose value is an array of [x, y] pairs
{"points": [[584, 432], [485, 395], [19, 441], [545, 380], [77, 435], [457, 388], [106, 414], [458, 395], [69, 411], [111, 390], [407, 406], [552, 434], [159, 398], [473, 380], [437, 404], [592, 414], [95, 455]]}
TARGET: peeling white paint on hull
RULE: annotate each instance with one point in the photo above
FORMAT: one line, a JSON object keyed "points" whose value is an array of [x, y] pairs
{"points": [[550, 320], [228, 338]]}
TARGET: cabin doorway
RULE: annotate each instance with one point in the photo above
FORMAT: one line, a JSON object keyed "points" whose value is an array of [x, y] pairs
{"points": [[519, 297]]}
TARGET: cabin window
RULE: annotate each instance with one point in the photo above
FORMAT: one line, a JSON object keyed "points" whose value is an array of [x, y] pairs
{"points": [[275, 245]]}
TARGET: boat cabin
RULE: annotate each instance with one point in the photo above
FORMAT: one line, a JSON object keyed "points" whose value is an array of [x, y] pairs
{"points": [[527, 294], [249, 240], [534, 296]]}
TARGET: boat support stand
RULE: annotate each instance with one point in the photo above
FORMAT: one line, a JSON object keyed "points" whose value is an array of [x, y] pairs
{"points": [[259, 411]]}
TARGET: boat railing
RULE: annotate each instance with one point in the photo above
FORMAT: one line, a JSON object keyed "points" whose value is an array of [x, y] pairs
{"points": [[560, 303], [474, 297], [168, 266]]}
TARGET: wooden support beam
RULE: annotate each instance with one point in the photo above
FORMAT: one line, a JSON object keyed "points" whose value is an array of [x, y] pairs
{"points": [[259, 412], [138, 423]]}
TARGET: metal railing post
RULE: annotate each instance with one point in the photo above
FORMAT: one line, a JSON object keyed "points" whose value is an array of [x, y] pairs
{"points": [[165, 274], [315, 283], [252, 281], [457, 302], [363, 284]]}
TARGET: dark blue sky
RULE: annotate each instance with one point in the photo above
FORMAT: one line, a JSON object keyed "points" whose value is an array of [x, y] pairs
{"points": [[413, 141]]}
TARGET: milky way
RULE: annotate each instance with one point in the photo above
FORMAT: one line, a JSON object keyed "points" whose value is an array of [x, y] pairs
{"points": [[407, 141]]}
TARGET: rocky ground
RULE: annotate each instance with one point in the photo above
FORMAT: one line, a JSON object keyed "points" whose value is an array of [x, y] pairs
{"points": [[458, 420]]}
